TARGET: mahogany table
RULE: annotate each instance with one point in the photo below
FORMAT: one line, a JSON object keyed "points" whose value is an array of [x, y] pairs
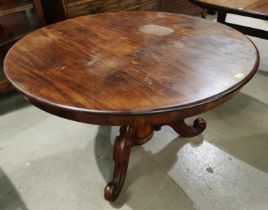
{"points": [[139, 70], [249, 8]]}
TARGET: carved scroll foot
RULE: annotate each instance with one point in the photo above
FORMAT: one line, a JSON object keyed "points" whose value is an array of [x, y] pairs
{"points": [[122, 148], [185, 130]]}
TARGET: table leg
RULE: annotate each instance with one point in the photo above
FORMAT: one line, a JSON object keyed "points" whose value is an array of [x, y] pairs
{"points": [[129, 136], [221, 17], [185, 130], [138, 135], [204, 15], [122, 148]]}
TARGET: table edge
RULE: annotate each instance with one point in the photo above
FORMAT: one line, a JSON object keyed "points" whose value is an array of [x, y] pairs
{"points": [[60, 107]]}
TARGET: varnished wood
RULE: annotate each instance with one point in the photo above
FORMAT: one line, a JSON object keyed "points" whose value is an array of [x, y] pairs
{"points": [[78, 8], [249, 8], [138, 135], [144, 133], [185, 130], [122, 148], [105, 56], [139, 70]]}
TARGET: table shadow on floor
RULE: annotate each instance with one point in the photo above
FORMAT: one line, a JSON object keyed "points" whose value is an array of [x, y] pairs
{"points": [[9, 197], [240, 128], [11, 102]]}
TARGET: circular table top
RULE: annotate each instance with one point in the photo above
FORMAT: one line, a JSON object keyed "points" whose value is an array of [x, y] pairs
{"points": [[254, 8], [131, 63]]}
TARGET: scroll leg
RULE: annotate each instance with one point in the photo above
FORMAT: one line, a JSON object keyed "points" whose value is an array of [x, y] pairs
{"points": [[122, 148], [185, 130]]}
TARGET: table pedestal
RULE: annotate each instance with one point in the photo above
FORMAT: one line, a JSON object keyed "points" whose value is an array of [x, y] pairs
{"points": [[133, 135]]}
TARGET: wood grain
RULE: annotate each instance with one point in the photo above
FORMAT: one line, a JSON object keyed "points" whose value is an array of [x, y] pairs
{"points": [[104, 64], [78, 8]]}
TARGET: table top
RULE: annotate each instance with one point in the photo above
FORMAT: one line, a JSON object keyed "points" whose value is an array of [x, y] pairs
{"points": [[254, 8], [131, 63]]}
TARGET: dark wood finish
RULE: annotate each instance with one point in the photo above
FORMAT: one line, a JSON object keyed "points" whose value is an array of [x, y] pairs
{"points": [[249, 8], [139, 135], [57, 10], [185, 130], [54, 10], [12, 27], [221, 17], [9, 8], [180, 6], [83, 7], [14, 24], [139, 70], [122, 148], [39, 12]]}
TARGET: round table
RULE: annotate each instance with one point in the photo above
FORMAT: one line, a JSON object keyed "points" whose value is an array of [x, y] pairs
{"points": [[249, 8], [139, 70]]}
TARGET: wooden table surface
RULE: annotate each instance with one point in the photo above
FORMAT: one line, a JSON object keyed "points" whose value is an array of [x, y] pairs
{"points": [[255, 8], [140, 70], [130, 63]]}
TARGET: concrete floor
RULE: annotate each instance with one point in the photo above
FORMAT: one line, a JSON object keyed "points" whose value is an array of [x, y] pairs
{"points": [[49, 163]]}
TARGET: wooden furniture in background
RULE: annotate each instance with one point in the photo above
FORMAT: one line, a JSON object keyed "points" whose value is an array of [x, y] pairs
{"points": [[57, 10], [16, 20], [249, 8], [180, 6], [138, 70]]}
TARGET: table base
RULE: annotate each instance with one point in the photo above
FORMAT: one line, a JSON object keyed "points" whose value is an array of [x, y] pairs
{"points": [[133, 135]]}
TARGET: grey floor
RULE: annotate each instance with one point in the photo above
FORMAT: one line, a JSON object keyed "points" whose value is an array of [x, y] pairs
{"points": [[49, 163]]}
